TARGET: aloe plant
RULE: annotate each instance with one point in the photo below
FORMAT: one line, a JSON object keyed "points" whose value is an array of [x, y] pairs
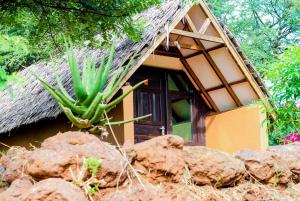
{"points": [[92, 89]]}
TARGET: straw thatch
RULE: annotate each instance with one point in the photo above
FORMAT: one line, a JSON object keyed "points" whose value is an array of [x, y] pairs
{"points": [[31, 103]]}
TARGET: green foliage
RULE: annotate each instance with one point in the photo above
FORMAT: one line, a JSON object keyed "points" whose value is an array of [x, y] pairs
{"points": [[264, 28], [92, 164], [6, 81], [34, 30], [285, 90], [87, 110], [15, 53], [85, 176], [3, 78], [44, 21]]}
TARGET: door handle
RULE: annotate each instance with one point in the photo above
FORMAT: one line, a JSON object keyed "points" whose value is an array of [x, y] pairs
{"points": [[162, 130]]}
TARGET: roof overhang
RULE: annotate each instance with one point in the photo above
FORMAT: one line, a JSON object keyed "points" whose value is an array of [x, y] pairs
{"points": [[195, 42]]}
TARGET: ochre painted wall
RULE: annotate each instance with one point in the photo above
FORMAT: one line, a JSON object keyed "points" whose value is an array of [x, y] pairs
{"points": [[124, 111], [237, 129], [34, 134]]}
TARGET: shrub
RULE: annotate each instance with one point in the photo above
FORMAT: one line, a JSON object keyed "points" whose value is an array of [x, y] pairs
{"points": [[284, 77], [92, 88]]}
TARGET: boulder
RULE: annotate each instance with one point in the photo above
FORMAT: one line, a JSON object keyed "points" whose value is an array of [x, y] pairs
{"points": [[137, 192], [64, 152], [160, 192], [291, 154], [266, 167], [190, 192], [259, 192], [14, 163], [211, 167], [54, 190], [17, 188], [159, 159]]}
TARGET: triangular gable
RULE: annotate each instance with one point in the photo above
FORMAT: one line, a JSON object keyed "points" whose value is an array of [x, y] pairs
{"points": [[199, 46]]}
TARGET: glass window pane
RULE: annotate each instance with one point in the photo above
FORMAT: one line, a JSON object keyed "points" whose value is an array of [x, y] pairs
{"points": [[181, 118]]}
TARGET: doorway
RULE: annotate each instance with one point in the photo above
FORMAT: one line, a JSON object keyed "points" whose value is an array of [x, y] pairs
{"points": [[174, 103]]}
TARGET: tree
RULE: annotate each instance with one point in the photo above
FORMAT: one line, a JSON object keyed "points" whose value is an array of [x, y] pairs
{"points": [[265, 28], [34, 29], [79, 19], [285, 90], [15, 52]]}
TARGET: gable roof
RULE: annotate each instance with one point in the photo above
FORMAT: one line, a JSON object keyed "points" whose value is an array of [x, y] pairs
{"points": [[31, 103]]}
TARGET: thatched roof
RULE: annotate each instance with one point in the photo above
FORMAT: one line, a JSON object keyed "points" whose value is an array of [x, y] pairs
{"points": [[31, 103]]}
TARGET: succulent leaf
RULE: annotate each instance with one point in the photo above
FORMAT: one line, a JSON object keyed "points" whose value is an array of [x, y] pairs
{"points": [[92, 108], [117, 123], [120, 98], [107, 67], [60, 85], [80, 123], [97, 82], [79, 90]]}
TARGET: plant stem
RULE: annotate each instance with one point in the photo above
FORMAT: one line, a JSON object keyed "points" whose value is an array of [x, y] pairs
{"points": [[121, 151]]}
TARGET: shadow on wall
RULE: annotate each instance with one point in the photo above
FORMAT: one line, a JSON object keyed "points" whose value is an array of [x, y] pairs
{"points": [[34, 134]]}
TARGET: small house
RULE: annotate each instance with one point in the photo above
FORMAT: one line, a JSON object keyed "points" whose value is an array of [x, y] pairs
{"points": [[201, 86]]}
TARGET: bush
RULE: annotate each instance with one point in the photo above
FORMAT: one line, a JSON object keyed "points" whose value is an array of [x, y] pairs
{"points": [[284, 77]]}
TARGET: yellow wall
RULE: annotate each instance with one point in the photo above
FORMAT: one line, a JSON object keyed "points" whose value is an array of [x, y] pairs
{"points": [[237, 129], [124, 111], [36, 133]]}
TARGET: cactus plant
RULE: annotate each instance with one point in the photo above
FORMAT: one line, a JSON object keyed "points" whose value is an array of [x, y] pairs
{"points": [[87, 109]]}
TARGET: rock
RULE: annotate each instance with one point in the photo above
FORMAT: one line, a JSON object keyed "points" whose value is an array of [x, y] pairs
{"points": [[136, 193], [160, 192], [14, 163], [190, 192], [160, 159], [266, 167], [16, 190], [290, 154], [54, 190], [47, 163], [212, 167], [258, 192], [65, 151], [71, 138]]}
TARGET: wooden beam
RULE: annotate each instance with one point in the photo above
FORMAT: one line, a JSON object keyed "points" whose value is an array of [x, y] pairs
{"points": [[234, 54], [220, 75], [165, 53], [190, 23], [216, 69], [182, 45], [202, 29], [222, 86], [197, 81], [205, 26], [208, 50], [194, 54], [197, 36], [238, 82]]}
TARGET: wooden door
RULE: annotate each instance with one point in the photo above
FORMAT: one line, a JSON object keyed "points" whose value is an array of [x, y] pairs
{"points": [[150, 99], [176, 106]]}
